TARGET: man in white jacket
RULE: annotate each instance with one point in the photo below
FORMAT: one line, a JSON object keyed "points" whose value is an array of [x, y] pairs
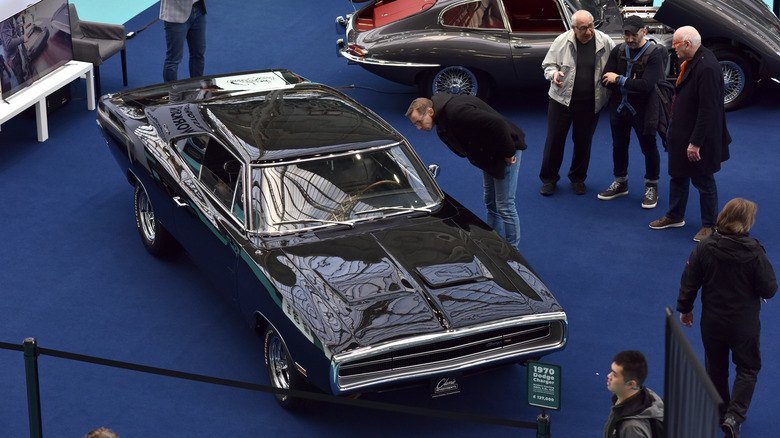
{"points": [[574, 65]]}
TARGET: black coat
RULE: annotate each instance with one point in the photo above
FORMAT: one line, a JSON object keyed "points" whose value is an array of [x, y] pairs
{"points": [[734, 274], [472, 129], [698, 117]]}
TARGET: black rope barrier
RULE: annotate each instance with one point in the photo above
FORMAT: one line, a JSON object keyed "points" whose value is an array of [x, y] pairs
{"points": [[32, 350]]}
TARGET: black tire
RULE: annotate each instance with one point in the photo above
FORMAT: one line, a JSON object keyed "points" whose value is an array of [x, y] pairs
{"points": [[739, 77], [282, 372], [455, 80], [156, 239]]}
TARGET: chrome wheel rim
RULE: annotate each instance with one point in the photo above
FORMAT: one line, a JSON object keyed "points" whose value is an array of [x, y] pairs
{"points": [[733, 80], [277, 363], [146, 216], [455, 80]]}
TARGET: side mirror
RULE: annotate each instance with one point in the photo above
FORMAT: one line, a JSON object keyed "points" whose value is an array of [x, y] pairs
{"points": [[434, 170]]}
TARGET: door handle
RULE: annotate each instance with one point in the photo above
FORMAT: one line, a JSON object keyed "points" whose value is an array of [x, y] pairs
{"points": [[179, 202], [521, 46]]}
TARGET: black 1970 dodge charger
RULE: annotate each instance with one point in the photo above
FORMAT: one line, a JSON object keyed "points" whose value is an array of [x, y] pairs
{"points": [[321, 222]]}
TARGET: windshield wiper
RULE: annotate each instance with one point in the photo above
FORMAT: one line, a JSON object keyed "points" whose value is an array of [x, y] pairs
{"points": [[322, 221], [376, 210]]}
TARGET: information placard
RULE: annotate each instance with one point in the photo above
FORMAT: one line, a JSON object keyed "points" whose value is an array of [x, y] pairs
{"points": [[544, 385]]}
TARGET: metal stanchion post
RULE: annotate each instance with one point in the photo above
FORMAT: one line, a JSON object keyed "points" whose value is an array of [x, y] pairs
{"points": [[543, 425], [33, 391]]}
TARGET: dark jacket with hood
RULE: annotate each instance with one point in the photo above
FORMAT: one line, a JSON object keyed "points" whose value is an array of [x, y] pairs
{"points": [[472, 129], [734, 274], [641, 416]]}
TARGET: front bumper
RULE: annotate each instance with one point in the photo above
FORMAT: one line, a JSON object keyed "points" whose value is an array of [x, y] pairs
{"points": [[424, 356]]}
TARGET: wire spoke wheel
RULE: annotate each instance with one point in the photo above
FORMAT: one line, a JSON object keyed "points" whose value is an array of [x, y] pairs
{"points": [[739, 77], [455, 80], [733, 80]]}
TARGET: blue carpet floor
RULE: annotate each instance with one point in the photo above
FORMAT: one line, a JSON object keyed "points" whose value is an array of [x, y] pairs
{"points": [[74, 275]]}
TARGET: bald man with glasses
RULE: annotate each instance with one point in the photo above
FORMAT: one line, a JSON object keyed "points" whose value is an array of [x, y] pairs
{"points": [[698, 140], [573, 66]]}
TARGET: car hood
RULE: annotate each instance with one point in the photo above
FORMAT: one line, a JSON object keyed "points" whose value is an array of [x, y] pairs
{"points": [[749, 22], [365, 288]]}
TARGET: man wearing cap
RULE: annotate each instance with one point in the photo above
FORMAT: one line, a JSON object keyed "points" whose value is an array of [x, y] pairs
{"points": [[632, 71]]}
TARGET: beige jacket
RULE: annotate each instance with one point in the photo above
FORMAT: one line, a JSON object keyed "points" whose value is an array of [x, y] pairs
{"points": [[561, 57]]}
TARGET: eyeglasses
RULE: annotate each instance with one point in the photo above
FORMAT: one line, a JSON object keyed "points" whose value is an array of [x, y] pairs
{"points": [[678, 43], [584, 28]]}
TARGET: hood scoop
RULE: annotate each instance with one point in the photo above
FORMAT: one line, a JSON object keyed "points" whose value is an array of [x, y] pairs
{"points": [[451, 274]]}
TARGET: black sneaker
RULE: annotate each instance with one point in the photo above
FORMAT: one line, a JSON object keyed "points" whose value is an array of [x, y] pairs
{"points": [[730, 428], [614, 190], [651, 197]]}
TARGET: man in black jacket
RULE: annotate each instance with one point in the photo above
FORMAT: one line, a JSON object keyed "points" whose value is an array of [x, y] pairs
{"points": [[472, 129], [734, 275], [698, 140], [632, 72]]}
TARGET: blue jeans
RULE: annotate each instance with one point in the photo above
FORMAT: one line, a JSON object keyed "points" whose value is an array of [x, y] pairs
{"points": [[194, 32], [500, 202], [708, 198]]}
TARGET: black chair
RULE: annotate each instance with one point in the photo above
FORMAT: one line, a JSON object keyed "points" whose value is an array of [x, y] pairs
{"points": [[95, 42]]}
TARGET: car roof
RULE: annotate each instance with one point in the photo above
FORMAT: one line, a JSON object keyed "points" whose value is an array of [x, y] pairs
{"points": [[301, 121], [262, 115]]}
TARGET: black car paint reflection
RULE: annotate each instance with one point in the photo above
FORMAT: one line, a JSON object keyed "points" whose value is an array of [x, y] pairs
{"points": [[319, 220]]}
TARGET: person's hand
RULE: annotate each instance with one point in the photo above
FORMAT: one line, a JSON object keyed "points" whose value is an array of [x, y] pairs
{"points": [[609, 78], [693, 153], [686, 319], [510, 160], [558, 78]]}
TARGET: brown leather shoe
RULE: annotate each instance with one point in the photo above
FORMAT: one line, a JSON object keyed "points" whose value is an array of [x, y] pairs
{"points": [[703, 233], [665, 222]]}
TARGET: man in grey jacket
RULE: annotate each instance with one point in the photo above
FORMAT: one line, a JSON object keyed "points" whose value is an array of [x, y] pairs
{"points": [[573, 66], [637, 412]]}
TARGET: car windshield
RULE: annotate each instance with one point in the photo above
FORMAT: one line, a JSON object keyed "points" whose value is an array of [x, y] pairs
{"points": [[340, 189]]}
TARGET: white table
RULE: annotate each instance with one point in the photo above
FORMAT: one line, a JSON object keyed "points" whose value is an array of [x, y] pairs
{"points": [[36, 94]]}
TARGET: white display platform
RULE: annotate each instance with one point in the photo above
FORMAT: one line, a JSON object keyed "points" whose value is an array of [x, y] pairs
{"points": [[36, 94]]}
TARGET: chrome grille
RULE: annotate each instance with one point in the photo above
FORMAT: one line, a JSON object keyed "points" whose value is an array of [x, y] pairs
{"points": [[456, 351]]}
